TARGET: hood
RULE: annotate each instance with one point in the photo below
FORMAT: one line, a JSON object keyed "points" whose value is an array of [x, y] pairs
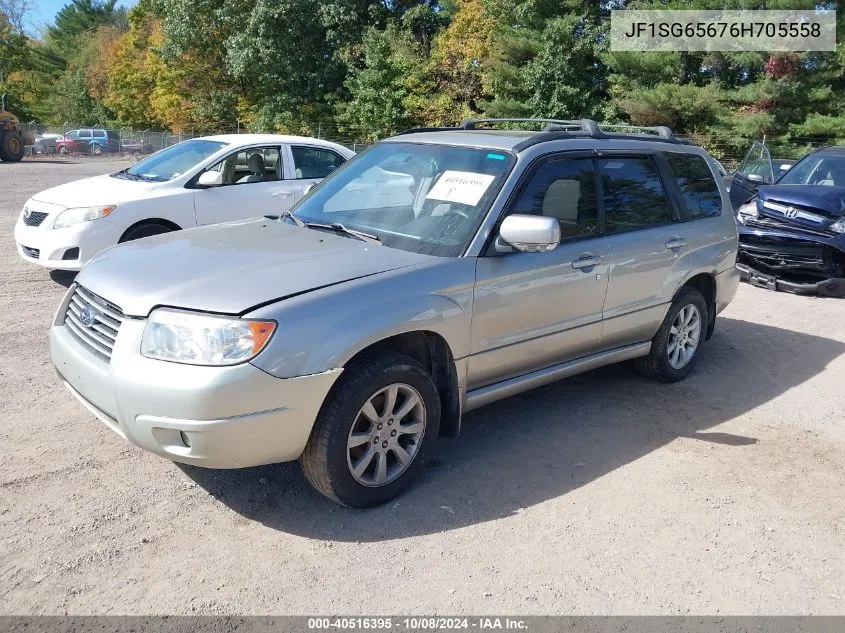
{"points": [[99, 190], [829, 201], [230, 268]]}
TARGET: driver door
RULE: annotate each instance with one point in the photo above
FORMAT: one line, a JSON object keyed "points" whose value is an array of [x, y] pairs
{"points": [[534, 310], [253, 186]]}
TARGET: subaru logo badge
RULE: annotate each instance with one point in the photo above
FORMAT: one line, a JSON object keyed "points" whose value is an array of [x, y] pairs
{"points": [[791, 213], [87, 316]]}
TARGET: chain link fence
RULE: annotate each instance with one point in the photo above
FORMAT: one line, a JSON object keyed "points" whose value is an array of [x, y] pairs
{"points": [[69, 139], [79, 141]]}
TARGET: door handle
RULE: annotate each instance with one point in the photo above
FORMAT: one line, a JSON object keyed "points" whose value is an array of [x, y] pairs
{"points": [[586, 261], [282, 194], [675, 243]]}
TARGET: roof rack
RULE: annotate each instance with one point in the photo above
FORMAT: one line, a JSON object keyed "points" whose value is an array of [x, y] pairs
{"points": [[561, 128]]}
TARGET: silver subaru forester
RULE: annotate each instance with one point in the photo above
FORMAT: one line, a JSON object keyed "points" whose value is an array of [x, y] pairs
{"points": [[438, 271]]}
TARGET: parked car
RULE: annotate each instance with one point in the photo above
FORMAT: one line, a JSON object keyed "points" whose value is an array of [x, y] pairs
{"points": [[194, 183], [135, 146], [353, 331], [89, 141], [46, 143], [792, 234], [757, 169]]}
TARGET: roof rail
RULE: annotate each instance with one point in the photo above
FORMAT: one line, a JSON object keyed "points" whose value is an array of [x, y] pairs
{"points": [[563, 128], [583, 125], [661, 130], [556, 125]]}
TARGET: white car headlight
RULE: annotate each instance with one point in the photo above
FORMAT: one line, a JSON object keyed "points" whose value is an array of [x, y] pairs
{"points": [[200, 339], [839, 225], [69, 217], [747, 211]]}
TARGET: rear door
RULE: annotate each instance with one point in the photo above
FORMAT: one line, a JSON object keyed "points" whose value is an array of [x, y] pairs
{"points": [[754, 171], [648, 245], [251, 178], [309, 165]]}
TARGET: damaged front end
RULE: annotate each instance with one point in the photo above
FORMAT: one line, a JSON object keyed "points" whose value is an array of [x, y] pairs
{"points": [[790, 247]]}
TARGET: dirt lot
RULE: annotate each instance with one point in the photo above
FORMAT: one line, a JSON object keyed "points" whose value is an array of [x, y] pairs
{"points": [[606, 493]]}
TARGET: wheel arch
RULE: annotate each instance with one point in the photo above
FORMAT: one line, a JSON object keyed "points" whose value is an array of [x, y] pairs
{"points": [[161, 221], [433, 352], [705, 283]]}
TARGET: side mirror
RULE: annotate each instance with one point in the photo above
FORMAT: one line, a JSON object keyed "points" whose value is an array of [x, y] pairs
{"points": [[210, 179], [308, 188], [755, 178], [530, 233]]}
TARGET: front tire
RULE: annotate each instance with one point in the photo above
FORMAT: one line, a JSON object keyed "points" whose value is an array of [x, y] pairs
{"points": [[677, 345], [374, 433], [11, 146], [144, 230]]}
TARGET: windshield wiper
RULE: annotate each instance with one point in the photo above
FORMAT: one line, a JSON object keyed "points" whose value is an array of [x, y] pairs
{"points": [[333, 226], [340, 228], [289, 214]]}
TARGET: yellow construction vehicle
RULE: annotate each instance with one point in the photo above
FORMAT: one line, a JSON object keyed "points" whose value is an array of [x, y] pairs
{"points": [[12, 139]]}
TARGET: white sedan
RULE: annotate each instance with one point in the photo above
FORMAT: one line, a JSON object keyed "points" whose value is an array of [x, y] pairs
{"points": [[197, 182]]}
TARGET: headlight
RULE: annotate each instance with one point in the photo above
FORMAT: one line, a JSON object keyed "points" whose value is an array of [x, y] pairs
{"points": [[839, 225], [199, 339], [69, 217], [747, 211]]}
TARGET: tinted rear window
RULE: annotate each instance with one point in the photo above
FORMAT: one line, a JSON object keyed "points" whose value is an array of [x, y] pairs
{"points": [[700, 191], [633, 194]]}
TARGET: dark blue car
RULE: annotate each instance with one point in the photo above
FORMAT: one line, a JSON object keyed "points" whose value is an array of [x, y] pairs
{"points": [[792, 234]]}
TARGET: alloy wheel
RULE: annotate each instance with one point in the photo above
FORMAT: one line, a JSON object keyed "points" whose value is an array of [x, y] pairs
{"points": [[386, 435], [684, 336]]}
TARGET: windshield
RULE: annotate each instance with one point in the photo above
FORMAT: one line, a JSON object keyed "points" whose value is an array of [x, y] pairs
{"points": [[173, 161], [826, 170], [417, 197]]}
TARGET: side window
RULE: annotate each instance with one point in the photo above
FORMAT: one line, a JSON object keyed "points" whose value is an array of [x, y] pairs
{"points": [[256, 164], [700, 191], [633, 195], [84, 133], [314, 162], [99, 134], [566, 190], [73, 135]]}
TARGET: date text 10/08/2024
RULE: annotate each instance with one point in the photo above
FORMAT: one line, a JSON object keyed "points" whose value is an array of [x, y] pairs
{"points": [[418, 623]]}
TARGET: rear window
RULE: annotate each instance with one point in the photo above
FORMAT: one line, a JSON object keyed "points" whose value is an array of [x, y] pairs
{"points": [[633, 195], [701, 193]]}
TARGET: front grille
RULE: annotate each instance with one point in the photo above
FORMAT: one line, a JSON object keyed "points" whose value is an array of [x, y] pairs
{"points": [[767, 222], [103, 321], [30, 252], [35, 218]]}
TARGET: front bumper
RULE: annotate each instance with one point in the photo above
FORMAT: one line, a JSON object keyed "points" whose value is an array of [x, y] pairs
{"points": [[792, 255], [47, 247], [231, 417]]}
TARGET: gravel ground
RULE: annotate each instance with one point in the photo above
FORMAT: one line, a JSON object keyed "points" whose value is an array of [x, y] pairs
{"points": [[601, 494]]}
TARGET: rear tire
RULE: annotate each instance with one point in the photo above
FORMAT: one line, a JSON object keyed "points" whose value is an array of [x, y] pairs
{"points": [[362, 425], [677, 345], [11, 146], [144, 230]]}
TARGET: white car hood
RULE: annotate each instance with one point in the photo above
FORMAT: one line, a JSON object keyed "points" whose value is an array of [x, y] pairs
{"points": [[95, 191]]}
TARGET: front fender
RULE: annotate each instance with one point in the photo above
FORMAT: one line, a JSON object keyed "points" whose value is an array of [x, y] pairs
{"points": [[324, 329]]}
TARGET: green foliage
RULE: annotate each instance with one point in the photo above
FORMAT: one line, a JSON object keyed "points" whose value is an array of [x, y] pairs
{"points": [[373, 67]]}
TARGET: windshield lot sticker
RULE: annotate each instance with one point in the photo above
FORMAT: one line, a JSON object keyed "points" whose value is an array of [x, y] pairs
{"points": [[464, 187]]}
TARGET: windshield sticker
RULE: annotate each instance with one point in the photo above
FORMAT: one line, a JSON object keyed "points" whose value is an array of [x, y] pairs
{"points": [[496, 156], [464, 187]]}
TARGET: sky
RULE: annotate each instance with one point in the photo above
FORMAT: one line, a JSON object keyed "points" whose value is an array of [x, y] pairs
{"points": [[44, 11]]}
